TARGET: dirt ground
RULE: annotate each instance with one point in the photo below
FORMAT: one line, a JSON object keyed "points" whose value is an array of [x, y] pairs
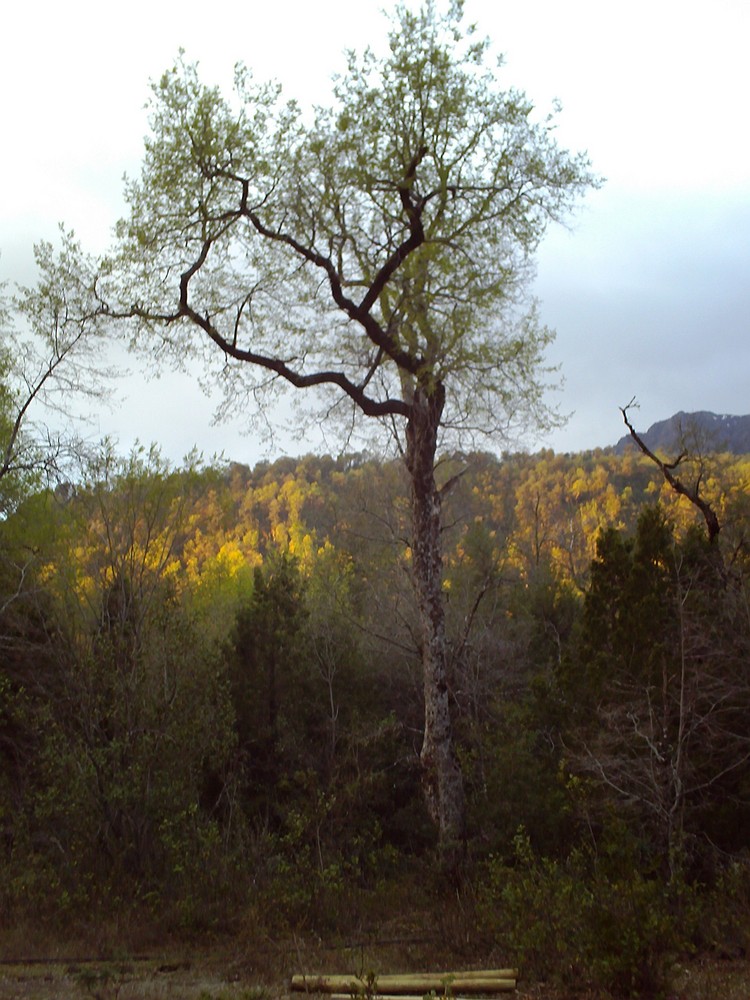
{"points": [[221, 978], [152, 979]]}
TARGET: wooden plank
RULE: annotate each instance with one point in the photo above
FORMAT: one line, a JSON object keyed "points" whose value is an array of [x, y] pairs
{"points": [[411, 984]]}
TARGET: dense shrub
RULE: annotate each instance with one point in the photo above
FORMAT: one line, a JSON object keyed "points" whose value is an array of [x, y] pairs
{"points": [[590, 919]]}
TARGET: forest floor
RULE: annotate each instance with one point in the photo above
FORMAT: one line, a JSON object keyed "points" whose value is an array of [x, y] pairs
{"points": [[225, 973]]}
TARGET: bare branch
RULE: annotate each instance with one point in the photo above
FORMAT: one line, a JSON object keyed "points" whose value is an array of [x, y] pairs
{"points": [[709, 515]]}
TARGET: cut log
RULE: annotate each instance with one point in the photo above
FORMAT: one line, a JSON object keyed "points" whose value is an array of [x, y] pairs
{"points": [[503, 986], [414, 984]]}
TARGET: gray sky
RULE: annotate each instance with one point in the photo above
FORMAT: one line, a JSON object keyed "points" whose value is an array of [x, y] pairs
{"points": [[648, 290]]}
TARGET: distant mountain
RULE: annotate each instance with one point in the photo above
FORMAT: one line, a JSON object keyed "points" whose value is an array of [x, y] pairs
{"points": [[701, 431]]}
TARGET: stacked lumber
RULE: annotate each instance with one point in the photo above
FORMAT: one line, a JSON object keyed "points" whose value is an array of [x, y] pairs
{"points": [[412, 986]]}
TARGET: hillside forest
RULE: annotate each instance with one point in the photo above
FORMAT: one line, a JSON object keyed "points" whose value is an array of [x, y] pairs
{"points": [[210, 704]]}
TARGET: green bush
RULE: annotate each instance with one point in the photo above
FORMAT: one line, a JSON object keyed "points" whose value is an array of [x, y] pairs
{"points": [[205, 884], [724, 927], [594, 919]]}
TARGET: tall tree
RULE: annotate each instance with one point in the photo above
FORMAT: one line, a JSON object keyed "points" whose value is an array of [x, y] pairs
{"points": [[139, 725], [380, 253], [267, 670], [49, 360], [657, 688]]}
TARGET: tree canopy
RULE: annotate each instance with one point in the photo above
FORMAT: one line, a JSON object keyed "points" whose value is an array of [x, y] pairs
{"points": [[382, 245], [50, 360]]}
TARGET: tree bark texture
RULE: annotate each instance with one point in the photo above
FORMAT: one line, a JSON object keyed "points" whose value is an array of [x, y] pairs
{"points": [[442, 780]]}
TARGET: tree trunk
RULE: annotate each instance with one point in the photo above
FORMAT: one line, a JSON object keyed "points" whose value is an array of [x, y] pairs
{"points": [[442, 780]]}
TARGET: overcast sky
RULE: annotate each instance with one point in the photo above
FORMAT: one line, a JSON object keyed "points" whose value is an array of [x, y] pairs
{"points": [[649, 289]]}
